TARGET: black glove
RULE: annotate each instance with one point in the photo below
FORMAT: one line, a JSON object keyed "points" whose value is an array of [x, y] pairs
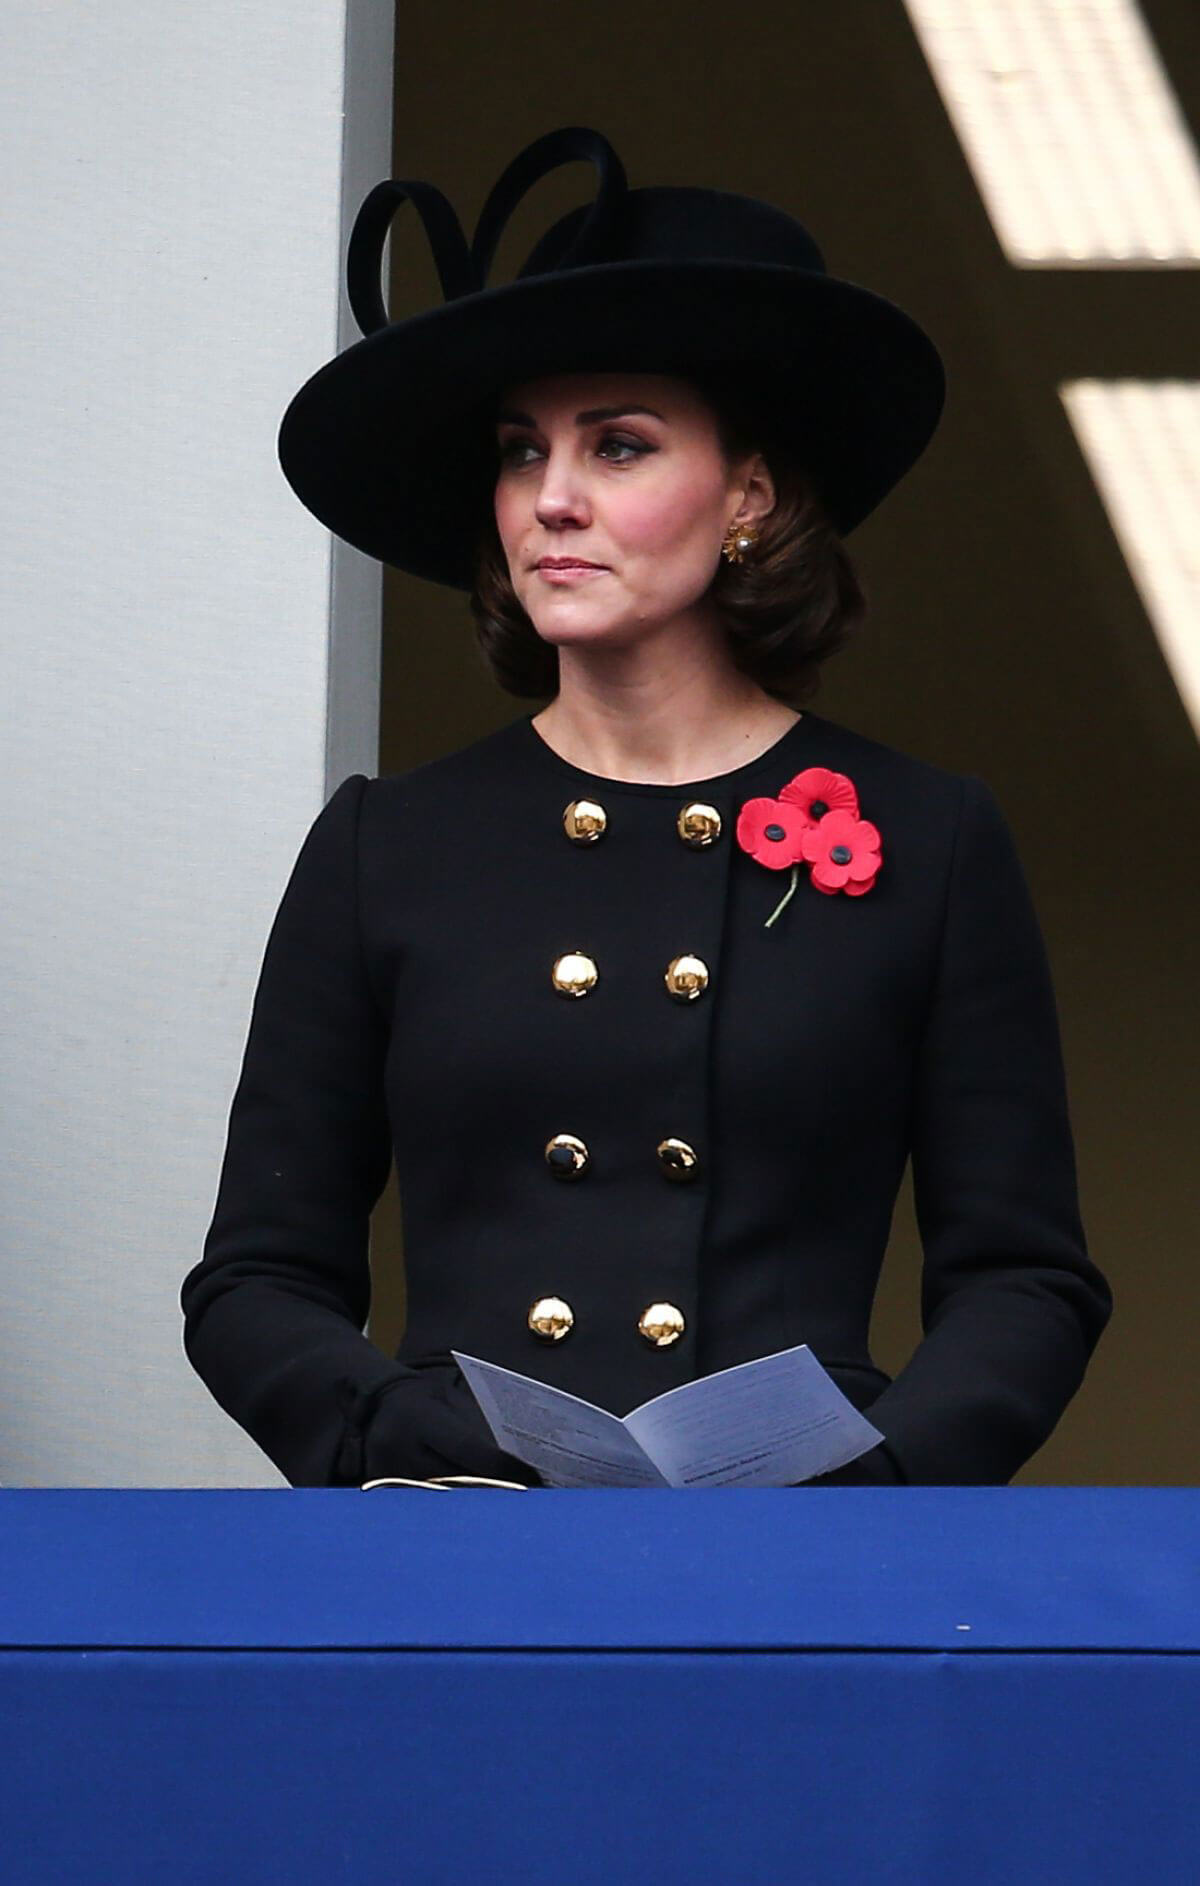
{"points": [[422, 1423], [878, 1467]]}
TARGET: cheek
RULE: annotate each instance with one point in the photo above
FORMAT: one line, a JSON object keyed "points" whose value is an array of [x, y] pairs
{"points": [[676, 519]]}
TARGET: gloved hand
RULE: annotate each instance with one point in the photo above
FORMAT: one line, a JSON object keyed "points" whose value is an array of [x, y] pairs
{"points": [[878, 1467], [419, 1424]]}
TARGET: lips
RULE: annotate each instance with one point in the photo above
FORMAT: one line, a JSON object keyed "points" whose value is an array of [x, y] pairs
{"points": [[566, 563]]}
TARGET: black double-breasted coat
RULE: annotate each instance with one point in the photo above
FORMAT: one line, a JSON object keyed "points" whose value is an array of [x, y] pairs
{"points": [[409, 1005]]}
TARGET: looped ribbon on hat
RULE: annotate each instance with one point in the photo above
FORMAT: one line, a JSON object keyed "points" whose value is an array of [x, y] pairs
{"points": [[463, 270]]}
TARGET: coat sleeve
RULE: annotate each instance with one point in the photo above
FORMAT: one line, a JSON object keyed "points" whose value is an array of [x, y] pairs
{"points": [[1012, 1305], [274, 1311]]}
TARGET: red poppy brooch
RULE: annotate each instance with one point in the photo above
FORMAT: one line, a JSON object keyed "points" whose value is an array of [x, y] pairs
{"points": [[814, 821]]}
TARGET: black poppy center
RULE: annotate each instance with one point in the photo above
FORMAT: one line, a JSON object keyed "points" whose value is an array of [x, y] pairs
{"points": [[840, 854], [818, 808], [774, 831]]}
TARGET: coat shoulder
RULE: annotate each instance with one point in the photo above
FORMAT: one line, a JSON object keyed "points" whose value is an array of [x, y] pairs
{"points": [[484, 760], [882, 757], [887, 775]]}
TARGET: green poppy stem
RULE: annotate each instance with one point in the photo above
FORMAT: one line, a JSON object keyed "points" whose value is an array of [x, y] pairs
{"points": [[785, 898]]}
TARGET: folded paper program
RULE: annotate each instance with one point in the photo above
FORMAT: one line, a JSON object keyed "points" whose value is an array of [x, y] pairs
{"points": [[775, 1421]]}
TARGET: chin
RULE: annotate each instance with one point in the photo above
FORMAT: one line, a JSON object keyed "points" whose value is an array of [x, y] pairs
{"points": [[573, 624]]}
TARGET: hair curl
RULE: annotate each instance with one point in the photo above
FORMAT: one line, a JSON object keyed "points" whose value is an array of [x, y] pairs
{"points": [[794, 600]]}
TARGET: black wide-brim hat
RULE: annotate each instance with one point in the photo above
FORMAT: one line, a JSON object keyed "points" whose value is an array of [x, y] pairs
{"points": [[392, 443]]}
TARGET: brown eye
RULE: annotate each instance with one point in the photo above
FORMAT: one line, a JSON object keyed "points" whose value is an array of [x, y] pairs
{"points": [[633, 446]]}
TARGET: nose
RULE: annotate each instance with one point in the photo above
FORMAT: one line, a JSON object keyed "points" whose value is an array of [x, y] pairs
{"points": [[561, 498]]}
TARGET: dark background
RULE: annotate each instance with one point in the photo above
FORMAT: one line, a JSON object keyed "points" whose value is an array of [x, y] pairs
{"points": [[1006, 636]]}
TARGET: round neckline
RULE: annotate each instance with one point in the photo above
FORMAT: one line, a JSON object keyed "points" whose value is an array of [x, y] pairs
{"points": [[777, 754]]}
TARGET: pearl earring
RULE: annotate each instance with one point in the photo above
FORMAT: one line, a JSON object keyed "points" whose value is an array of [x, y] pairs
{"points": [[738, 539]]}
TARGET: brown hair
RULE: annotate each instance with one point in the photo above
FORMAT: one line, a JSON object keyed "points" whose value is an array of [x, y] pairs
{"points": [[794, 600]]}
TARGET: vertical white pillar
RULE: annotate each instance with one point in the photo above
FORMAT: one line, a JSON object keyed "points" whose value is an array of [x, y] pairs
{"points": [[188, 669]]}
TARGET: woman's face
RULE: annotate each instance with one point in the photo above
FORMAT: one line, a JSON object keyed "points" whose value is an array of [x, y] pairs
{"points": [[620, 472]]}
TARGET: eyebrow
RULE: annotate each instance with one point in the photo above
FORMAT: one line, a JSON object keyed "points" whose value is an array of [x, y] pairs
{"points": [[590, 418]]}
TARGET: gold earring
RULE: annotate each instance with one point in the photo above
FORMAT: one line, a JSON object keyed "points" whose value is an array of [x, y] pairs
{"points": [[738, 539]]}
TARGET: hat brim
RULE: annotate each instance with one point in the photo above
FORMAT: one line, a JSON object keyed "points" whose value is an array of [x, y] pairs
{"points": [[391, 445]]}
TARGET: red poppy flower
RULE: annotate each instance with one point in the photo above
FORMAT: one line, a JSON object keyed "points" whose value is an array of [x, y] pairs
{"points": [[818, 790], [844, 852], [772, 832], [816, 820]]}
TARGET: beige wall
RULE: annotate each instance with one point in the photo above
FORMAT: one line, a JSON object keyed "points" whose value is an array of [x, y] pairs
{"points": [[1006, 637]]}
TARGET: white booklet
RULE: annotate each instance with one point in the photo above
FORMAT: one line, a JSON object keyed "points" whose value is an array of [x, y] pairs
{"points": [[767, 1423]]}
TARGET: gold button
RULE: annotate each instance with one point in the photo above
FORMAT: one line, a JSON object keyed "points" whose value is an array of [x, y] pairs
{"points": [[677, 1159], [551, 1318], [566, 1155], [686, 977], [698, 824], [661, 1324], [584, 821], [574, 974]]}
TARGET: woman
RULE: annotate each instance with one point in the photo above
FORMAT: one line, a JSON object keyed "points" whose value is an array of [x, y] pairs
{"points": [[651, 993]]}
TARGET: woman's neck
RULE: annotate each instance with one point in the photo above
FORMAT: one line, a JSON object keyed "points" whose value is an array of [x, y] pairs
{"points": [[663, 740]]}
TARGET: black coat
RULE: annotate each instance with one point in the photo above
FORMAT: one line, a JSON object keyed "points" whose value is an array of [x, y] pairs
{"points": [[406, 1006]]}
